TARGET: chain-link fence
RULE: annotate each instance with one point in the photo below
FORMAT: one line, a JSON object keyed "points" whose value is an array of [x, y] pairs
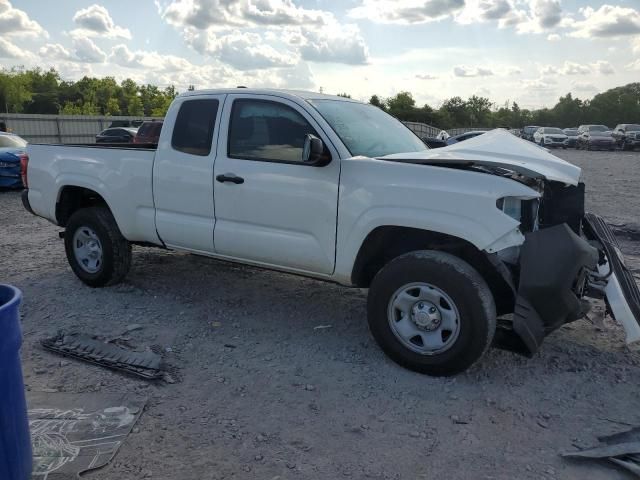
{"points": [[422, 129], [61, 128]]}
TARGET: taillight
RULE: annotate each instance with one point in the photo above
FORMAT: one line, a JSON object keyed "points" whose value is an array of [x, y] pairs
{"points": [[24, 163]]}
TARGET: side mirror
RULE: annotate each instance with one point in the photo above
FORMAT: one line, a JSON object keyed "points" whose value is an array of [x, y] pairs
{"points": [[313, 152]]}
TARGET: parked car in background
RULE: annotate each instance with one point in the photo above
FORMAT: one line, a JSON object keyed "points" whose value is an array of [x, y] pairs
{"points": [[126, 123], [433, 142], [627, 136], [572, 136], [149, 132], [464, 136], [550, 137], [528, 131], [595, 137], [12, 158], [116, 135]]}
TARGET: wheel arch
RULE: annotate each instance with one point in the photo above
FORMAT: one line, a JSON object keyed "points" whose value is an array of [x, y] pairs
{"points": [[385, 243], [72, 198]]}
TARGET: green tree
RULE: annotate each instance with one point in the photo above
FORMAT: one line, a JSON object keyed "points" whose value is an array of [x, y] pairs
{"points": [[376, 102], [135, 107], [113, 107], [15, 90]]}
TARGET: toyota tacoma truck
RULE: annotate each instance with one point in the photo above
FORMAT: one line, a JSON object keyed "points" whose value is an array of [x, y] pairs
{"points": [[485, 242]]}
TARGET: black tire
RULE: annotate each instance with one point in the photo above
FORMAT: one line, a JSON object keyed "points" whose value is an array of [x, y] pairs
{"points": [[466, 288], [116, 250]]}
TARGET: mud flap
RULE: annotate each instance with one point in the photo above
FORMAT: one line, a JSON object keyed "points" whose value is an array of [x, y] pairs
{"points": [[619, 286]]}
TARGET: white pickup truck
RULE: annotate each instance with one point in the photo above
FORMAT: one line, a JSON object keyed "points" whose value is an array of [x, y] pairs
{"points": [[479, 243]]}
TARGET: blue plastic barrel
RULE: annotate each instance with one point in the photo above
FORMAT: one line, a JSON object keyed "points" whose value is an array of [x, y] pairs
{"points": [[15, 442]]}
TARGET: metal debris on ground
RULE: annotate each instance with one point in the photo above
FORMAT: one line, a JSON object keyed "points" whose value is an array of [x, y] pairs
{"points": [[92, 349], [622, 449]]}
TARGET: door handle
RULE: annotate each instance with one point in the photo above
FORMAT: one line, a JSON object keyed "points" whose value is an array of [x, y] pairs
{"points": [[230, 177]]}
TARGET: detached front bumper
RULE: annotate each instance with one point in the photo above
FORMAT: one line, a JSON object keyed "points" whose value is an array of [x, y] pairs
{"points": [[616, 280], [558, 268]]}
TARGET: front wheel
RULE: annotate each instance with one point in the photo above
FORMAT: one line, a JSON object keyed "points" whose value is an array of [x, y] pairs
{"points": [[96, 250], [431, 312]]}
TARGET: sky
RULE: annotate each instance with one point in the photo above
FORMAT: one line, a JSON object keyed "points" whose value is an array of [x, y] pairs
{"points": [[531, 52]]}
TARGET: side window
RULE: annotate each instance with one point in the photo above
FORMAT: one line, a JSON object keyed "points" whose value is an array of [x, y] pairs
{"points": [[266, 130], [193, 131]]}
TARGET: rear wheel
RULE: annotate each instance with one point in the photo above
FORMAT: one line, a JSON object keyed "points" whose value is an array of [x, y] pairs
{"points": [[96, 250], [431, 312]]}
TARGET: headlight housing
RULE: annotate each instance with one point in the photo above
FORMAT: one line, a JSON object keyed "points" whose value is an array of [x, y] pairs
{"points": [[511, 206]]}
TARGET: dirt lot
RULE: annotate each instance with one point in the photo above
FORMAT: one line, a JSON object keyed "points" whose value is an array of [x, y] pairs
{"points": [[266, 395]]}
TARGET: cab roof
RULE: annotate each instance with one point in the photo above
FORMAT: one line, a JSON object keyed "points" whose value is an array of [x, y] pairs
{"points": [[291, 94]]}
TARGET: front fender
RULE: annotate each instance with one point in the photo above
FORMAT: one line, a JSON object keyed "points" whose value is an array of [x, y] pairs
{"points": [[455, 202]]}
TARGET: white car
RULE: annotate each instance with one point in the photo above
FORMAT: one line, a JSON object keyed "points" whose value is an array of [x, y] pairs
{"points": [[551, 137], [445, 240]]}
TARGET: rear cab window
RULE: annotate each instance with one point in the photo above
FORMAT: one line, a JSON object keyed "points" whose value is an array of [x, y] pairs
{"points": [[194, 126]]}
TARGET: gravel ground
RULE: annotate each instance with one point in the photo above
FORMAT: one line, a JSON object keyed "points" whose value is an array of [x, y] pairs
{"points": [[266, 395]]}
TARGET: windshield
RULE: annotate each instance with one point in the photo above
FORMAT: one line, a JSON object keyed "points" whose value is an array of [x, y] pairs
{"points": [[633, 128], [12, 141], [571, 132], [555, 131], [598, 128], [366, 130]]}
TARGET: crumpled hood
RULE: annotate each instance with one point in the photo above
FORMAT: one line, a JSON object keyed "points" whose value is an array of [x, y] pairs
{"points": [[499, 148]]}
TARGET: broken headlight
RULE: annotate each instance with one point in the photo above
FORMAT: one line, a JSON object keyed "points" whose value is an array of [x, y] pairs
{"points": [[523, 210], [511, 206]]}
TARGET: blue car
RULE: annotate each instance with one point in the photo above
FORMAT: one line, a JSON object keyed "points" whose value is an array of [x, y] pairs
{"points": [[12, 149]]}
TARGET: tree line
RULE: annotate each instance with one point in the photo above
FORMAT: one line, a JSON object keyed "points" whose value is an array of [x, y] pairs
{"points": [[617, 105], [39, 91]]}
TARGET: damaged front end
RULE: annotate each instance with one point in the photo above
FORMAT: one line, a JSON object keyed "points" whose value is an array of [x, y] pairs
{"points": [[567, 255]]}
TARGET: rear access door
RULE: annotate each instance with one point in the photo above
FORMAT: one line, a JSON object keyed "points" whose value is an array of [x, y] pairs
{"points": [[272, 208], [183, 173]]}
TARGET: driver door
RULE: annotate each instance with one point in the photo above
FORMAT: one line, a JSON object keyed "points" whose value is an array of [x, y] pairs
{"points": [[271, 208]]}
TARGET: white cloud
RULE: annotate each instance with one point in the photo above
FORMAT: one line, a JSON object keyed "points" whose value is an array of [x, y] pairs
{"points": [[87, 51], [633, 66], [514, 71], [547, 13], [16, 22], [635, 45], [334, 43], [540, 86], [484, 10], [603, 67], [426, 77], [9, 50], [247, 51], [204, 14], [469, 72], [54, 51], [572, 68], [554, 37], [406, 12], [96, 20], [121, 55], [607, 21], [241, 50], [584, 87], [210, 26]]}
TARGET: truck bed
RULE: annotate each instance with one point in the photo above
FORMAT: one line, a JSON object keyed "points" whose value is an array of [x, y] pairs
{"points": [[120, 173]]}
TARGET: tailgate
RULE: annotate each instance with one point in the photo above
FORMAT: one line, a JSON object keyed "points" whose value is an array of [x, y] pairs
{"points": [[621, 290]]}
